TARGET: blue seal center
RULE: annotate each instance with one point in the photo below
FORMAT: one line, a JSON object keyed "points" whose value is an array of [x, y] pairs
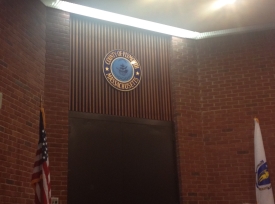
{"points": [[122, 69]]}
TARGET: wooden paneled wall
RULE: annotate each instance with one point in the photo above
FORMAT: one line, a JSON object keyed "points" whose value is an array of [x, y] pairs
{"points": [[91, 40]]}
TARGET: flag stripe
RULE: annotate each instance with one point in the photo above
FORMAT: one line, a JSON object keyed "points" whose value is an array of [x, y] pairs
{"points": [[37, 193]]}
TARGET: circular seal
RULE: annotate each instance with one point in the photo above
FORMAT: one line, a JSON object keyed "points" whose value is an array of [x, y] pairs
{"points": [[122, 70], [262, 176]]}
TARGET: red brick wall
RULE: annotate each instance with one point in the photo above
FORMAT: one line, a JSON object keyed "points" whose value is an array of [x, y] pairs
{"points": [[22, 72], [235, 82], [57, 98], [187, 119]]}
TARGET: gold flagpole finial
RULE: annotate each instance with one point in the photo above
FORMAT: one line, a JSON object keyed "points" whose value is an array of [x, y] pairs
{"points": [[256, 119]]}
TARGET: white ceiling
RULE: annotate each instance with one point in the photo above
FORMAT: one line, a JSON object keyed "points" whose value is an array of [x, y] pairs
{"points": [[194, 15]]}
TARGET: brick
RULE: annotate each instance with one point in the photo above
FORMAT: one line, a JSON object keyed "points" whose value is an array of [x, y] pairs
{"points": [[22, 57], [57, 83], [234, 76]]}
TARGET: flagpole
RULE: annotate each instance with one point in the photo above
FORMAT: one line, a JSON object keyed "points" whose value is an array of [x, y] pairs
{"points": [[41, 102], [42, 111]]}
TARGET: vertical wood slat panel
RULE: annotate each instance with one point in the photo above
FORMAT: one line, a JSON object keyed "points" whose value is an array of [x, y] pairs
{"points": [[91, 40]]}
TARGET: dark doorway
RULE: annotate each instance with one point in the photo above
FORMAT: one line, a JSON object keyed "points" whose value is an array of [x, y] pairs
{"points": [[118, 160]]}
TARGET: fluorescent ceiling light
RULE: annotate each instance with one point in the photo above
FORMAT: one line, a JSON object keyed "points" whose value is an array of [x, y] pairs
{"points": [[148, 25], [221, 3], [121, 19]]}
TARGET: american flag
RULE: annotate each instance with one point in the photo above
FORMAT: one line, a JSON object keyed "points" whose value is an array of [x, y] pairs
{"points": [[41, 173]]}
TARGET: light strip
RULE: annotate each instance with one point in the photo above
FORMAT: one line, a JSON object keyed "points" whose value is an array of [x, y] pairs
{"points": [[233, 31], [121, 19], [148, 25]]}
